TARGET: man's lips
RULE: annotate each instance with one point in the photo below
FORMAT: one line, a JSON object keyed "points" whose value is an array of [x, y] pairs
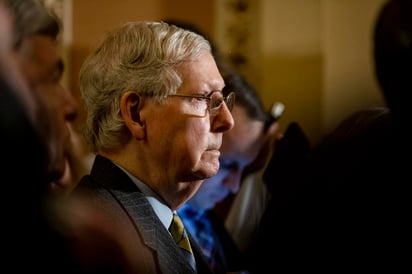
{"points": [[214, 147]]}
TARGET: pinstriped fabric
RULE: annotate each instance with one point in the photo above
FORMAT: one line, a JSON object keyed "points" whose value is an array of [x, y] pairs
{"points": [[113, 185], [154, 234]]}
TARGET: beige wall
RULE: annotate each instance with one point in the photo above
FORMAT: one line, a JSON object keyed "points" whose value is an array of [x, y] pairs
{"points": [[349, 82], [313, 55], [317, 59], [292, 61]]}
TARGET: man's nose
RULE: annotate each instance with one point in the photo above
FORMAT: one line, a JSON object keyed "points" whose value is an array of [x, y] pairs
{"points": [[223, 121]]}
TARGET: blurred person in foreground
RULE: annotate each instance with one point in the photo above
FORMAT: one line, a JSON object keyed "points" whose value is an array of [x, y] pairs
{"points": [[352, 208], [36, 44], [27, 126], [19, 113], [35, 33], [156, 116], [240, 147], [45, 233]]}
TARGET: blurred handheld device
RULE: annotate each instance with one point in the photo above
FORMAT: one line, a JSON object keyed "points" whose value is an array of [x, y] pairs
{"points": [[275, 112]]}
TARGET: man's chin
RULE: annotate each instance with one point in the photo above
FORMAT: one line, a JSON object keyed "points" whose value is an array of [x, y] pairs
{"points": [[210, 173], [212, 168]]}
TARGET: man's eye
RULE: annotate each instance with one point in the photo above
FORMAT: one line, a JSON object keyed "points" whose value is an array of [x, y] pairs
{"points": [[216, 103]]}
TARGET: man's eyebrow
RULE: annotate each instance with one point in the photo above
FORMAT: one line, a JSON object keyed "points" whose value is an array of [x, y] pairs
{"points": [[213, 91]]}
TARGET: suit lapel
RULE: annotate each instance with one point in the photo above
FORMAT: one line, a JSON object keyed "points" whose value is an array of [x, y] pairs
{"points": [[141, 213]]}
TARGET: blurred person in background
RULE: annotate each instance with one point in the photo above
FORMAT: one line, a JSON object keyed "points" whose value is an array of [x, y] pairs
{"points": [[240, 148], [245, 150]]}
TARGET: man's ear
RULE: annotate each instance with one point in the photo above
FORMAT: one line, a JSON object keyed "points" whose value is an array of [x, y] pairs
{"points": [[130, 107]]}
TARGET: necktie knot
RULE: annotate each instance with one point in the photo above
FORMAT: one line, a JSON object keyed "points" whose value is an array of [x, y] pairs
{"points": [[179, 233], [180, 236]]}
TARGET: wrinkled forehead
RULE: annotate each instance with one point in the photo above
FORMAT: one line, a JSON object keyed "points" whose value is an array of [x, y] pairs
{"points": [[200, 74]]}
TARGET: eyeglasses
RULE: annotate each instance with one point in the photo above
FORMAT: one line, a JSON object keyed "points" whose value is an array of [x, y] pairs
{"points": [[215, 99]]}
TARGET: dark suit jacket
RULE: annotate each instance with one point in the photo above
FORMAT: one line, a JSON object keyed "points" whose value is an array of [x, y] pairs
{"points": [[116, 195]]}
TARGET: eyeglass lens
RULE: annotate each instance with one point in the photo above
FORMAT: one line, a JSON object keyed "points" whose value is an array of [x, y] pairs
{"points": [[216, 101]]}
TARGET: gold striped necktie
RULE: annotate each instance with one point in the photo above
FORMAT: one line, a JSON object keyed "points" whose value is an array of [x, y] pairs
{"points": [[180, 236]]}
